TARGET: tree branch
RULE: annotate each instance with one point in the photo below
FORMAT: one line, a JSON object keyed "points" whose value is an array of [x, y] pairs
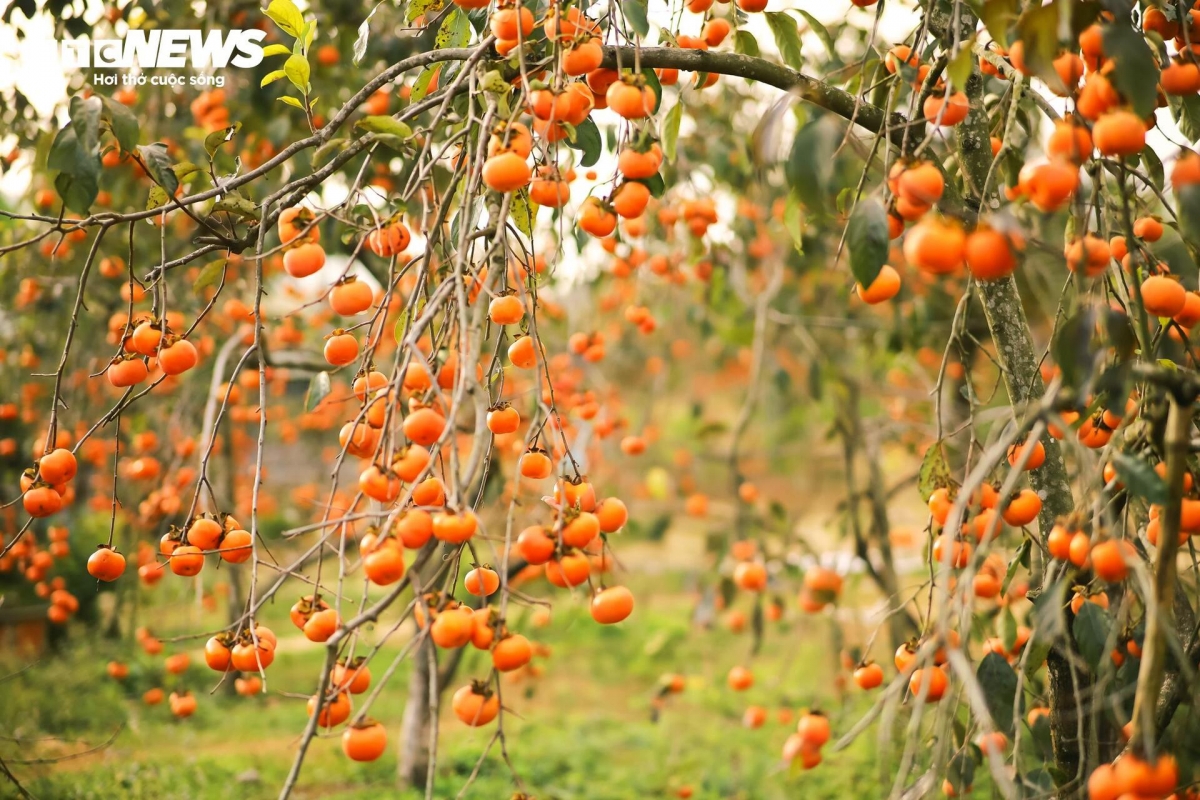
{"points": [[840, 102], [1159, 613]]}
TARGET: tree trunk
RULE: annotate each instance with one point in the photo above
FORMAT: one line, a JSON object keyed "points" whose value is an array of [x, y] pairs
{"points": [[414, 755], [413, 764], [901, 624], [1023, 380], [1014, 351]]}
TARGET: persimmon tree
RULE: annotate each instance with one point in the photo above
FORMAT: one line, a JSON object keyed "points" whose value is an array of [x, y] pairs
{"points": [[393, 238]]}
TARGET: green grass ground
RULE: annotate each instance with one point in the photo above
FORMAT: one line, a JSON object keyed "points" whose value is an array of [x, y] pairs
{"points": [[582, 730]]}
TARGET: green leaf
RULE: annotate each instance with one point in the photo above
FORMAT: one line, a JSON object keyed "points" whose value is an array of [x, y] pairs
{"points": [[1073, 348], [210, 275], [820, 30], [588, 142], [271, 77], [1140, 479], [999, 683], [184, 170], [213, 142], [1091, 633], [520, 211], [1186, 111], [1020, 556], [276, 50], [364, 36], [635, 15], [78, 191], [1119, 330], [1008, 628], [157, 198], [454, 32], [1041, 27], [655, 86], [319, 388], [669, 131], [158, 164], [493, 82], [787, 37], [793, 220], [291, 101], [296, 68], [1048, 622], [1080, 14], [1187, 198], [78, 181], [233, 203], [810, 164], [745, 44], [998, 17], [421, 87], [285, 14], [934, 472], [418, 7], [63, 150], [1153, 166], [121, 122], [1037, 29], [867, 240], [42, 150], [960, 771], [330, 147], [959, 67], [384, 124], [393, 142], [845, 200], [1136, 74], [656, 184], [401, 327], [85, 119]]}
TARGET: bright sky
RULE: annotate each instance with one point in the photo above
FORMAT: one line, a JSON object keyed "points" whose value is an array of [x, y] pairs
{"points": [[32, 67]]}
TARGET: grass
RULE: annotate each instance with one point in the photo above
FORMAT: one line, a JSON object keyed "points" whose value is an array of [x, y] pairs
{"points": [[584, 729]]}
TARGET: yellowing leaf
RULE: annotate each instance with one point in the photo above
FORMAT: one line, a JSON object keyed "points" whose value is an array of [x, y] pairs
{"points": [[285, 14]]}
